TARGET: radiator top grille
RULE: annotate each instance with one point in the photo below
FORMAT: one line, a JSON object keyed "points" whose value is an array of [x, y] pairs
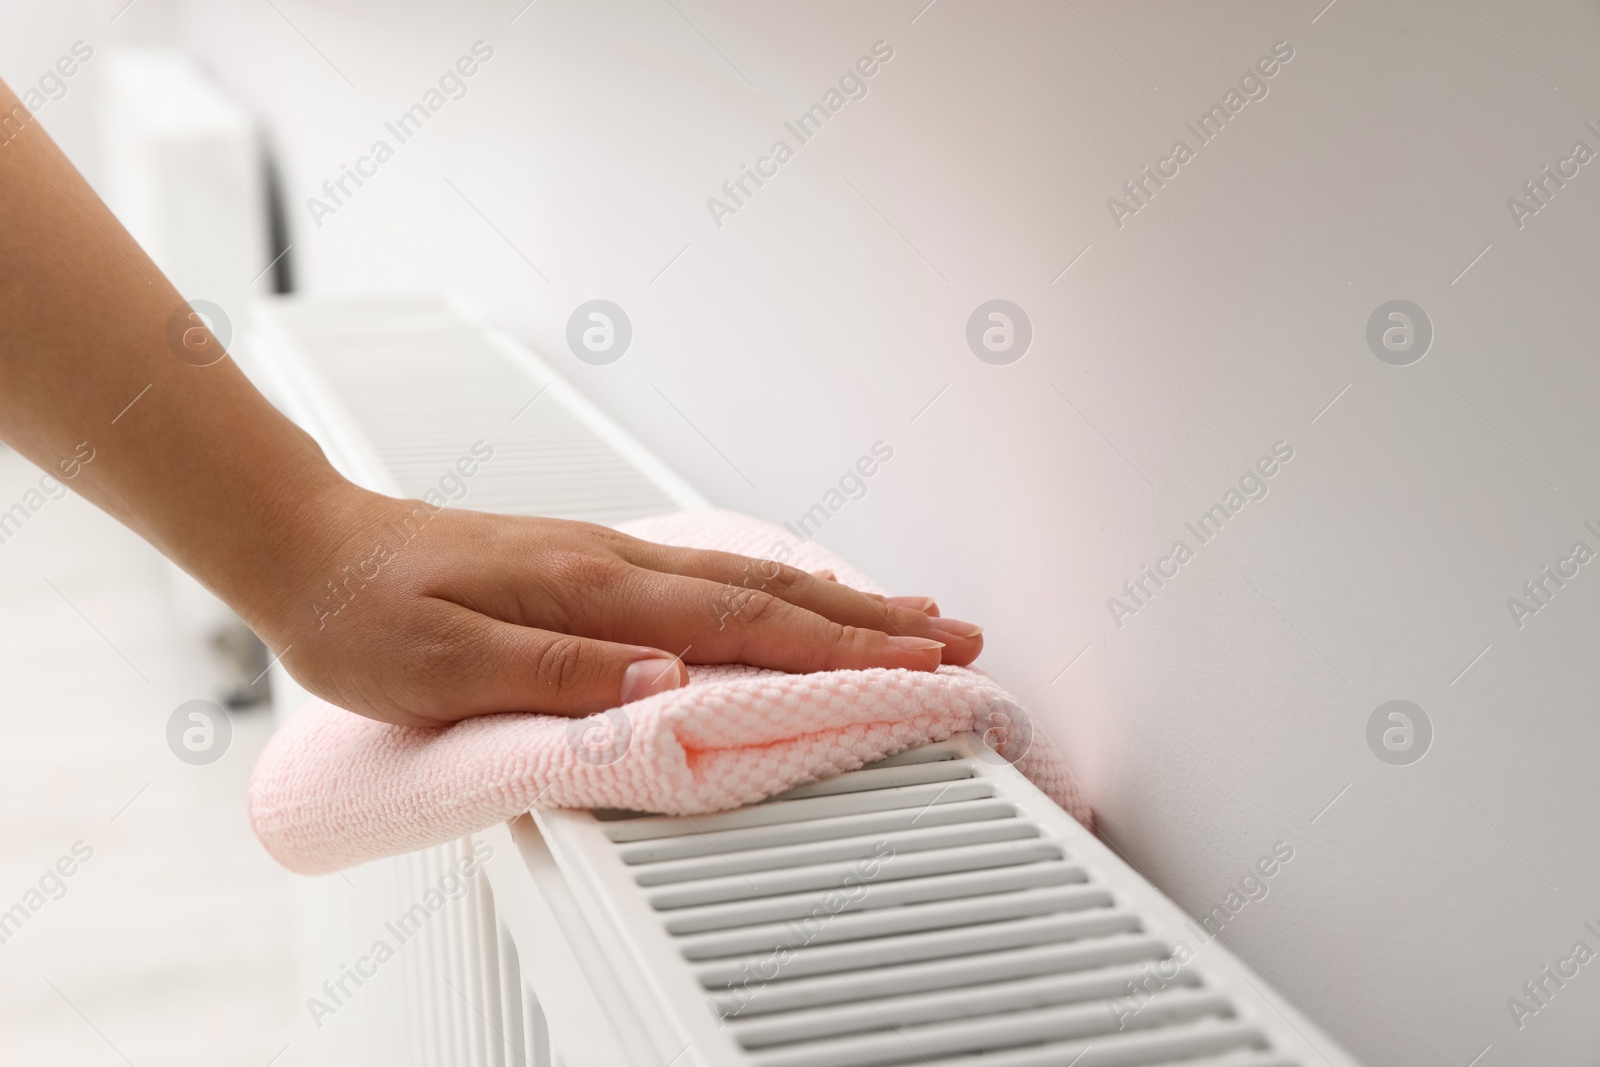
{"points": [[908, 913], [423, 384]]}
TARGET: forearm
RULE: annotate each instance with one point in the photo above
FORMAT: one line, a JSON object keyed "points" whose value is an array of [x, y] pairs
{"points": [[91, 366]]}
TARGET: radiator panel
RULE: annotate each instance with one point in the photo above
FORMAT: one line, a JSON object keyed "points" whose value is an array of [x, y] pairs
{"points": [[935, 908]]}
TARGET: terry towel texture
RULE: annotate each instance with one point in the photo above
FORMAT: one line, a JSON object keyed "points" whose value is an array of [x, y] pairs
{"points": [[333, 789]]}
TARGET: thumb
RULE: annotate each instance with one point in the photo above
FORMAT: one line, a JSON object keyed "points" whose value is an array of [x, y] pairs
{"points": [[505, 667]]}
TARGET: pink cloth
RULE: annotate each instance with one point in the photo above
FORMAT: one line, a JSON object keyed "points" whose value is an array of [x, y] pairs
{"points": [[334, 789]]}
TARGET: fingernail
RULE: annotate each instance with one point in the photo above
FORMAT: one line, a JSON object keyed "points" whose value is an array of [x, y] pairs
{"points": [[825, 575], [915, 644], [647, 677], [923, 604], [956, 627]]}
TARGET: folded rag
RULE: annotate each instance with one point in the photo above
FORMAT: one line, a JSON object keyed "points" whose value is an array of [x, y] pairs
{"points": [[333, 789]]}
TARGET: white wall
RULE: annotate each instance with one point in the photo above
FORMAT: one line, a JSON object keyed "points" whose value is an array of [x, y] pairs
{"points": [[1226, 714], [36, 37]]}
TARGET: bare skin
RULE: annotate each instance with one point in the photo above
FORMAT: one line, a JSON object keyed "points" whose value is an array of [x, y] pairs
{"points": [[477, 613]]}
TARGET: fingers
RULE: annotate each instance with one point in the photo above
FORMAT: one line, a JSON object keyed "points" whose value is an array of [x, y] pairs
{"points": [[832, 600], [493, 666], [712, 622], [924, 604]]}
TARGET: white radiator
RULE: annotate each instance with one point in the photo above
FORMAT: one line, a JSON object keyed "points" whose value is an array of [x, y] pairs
{"points": [[935, 908]]}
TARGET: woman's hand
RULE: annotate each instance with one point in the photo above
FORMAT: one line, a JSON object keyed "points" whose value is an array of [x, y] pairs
{"points": [[420, 616], [386, 607]]}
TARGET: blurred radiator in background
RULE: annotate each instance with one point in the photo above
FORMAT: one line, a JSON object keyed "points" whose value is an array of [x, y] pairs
{"points": [[990, 928], [183, 169]]}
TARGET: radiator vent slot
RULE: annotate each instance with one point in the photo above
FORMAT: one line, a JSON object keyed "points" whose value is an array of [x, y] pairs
{"points": [[909, 914]]}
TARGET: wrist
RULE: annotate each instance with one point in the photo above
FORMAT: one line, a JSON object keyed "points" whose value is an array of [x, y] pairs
{"points": [[284, 538]]}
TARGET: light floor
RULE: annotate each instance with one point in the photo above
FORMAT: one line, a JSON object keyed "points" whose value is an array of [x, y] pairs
{"points": [[171, 945]]}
